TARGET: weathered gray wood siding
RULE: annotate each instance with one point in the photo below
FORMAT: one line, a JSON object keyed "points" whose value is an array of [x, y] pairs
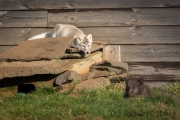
{"points": [[148, 32]]}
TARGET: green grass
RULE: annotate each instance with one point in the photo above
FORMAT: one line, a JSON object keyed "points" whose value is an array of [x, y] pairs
{"points": [[48, 104]]}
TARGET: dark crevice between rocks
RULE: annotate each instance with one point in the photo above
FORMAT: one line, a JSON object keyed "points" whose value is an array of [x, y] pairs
{"points": [[26, 88]]}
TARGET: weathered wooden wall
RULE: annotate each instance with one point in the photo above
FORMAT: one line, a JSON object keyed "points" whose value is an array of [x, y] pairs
{"points": [[148, 32]]}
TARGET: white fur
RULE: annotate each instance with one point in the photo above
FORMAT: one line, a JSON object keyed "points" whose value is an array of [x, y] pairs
{"points": [[42, 35], [81, 41]]}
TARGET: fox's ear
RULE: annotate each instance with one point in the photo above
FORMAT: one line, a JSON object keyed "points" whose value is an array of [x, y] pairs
{"points": [[140, 81], [56, 30], [89, 37], [57, 26]]}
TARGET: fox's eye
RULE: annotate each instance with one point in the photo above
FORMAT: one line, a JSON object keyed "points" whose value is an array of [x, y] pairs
{"points": [[79, 39], [82, 45], [89, 45]]}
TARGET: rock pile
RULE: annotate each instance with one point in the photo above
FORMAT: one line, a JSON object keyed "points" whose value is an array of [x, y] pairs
{"points": [[42, 56], [100, 76], [55, 56]]}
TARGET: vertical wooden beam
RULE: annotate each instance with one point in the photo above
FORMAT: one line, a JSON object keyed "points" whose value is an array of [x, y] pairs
{"points": [[112, 53]]}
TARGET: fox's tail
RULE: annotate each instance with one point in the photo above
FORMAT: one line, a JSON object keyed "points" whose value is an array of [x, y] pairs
{"points": [[42, 35]]}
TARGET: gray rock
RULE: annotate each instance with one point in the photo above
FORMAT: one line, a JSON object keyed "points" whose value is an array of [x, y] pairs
{"points": [[107, 68], [67, 76], [93, 84], [110, 66], [95, 74], [117, 78]]}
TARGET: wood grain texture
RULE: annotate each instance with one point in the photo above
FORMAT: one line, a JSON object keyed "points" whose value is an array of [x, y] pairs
{"points": [[15, 36], [118, 17], [12, 5], [136, 35], [92, 18], [81, 4], [112, 53], [150, 53], [23, 18], [4, 48], [158, 83], [157, 16], [158, 71], [112, 35], [81, 66]]}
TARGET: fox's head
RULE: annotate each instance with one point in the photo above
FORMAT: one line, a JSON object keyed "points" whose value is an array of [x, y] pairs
{"points": [[133, 85], [84, 43]]}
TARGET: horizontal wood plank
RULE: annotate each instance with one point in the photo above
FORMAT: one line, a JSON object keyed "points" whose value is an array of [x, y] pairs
{"points": [[23, 18], [164, 84], [150, 53], [157, 16], [136, 35], [4, 48], [15, 36], [120, 17], [92, 18], [156, 71], [11, 5], [81, 4], [111, 35]]}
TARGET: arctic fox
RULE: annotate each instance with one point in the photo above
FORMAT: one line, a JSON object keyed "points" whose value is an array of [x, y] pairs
{"points": [[136, 86], [81, 41]]}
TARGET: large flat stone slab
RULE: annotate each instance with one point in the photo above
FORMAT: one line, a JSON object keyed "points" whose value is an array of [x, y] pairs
{"points": [[40, 49], [18, 69]]}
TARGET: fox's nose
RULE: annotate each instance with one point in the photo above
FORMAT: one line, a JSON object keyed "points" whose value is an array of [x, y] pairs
{"points": [[87, 52]]}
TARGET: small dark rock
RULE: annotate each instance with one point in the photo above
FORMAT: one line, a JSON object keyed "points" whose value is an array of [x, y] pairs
{"points": [[66, 77]]}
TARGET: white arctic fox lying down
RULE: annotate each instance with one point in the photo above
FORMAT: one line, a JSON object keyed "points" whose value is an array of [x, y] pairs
{"points": [[81, 41]]}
